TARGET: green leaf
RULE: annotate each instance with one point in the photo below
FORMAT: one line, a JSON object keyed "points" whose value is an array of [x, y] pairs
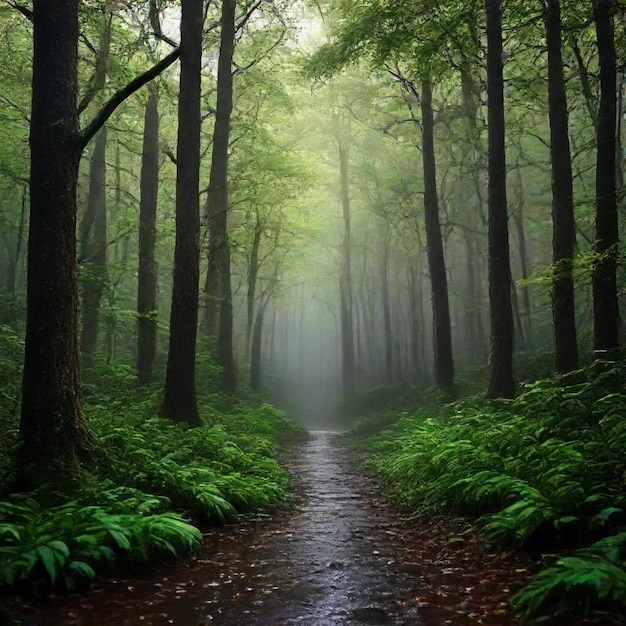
{"points": [[48, 558]]}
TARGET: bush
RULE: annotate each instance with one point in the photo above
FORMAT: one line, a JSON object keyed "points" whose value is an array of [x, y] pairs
{"points": [[67, 543], [546, 469]]}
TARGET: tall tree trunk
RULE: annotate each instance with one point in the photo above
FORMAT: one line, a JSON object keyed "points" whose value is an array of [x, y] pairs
{"points": [[256, 348], [520, 232], [501, 360], [147, 276], [52, 428], [179, 401], [414, 324], [444, 365], [217, 201], [93, 255], [469, 321], [388, 336], [93, 226], [14, 256], [563, 223], [253, 272], [605, 307], [345, 281]]}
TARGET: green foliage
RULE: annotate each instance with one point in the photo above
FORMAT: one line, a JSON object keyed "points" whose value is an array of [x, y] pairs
{"points": [[212, 472], [67, 543], [546, 469], [570, 585], [143, 470], [11, 348]]}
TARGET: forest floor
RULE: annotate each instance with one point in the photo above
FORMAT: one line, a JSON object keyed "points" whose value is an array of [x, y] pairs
{"points": [[342, 554]]}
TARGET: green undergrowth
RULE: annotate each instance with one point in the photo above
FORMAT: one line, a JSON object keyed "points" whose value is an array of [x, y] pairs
{"points": [[546, 471], [148, 487]]}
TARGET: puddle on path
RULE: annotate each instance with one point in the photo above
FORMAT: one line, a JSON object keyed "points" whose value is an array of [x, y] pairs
{"points": [[342, 556]]}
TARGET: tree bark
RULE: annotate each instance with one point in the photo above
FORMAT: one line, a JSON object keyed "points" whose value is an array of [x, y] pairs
{"points": [[345, 280], [53, 431], [388, 336], [501, 340], [93, 256], [520, 232], [14, 255], [217, 201], [563, 222], [147, 274], [605, 308], [253, 272], [256, 349], [179, 400], [442, 334]]}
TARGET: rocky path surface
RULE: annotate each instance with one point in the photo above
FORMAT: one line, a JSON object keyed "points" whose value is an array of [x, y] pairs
{"points": [[342, 556]]}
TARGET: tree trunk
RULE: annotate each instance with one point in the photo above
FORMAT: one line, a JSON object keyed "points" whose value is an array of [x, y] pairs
{"points": [[217, 201], [563, 223], [388, 336], [256, 348], [253, 272], [179, 401], [52, 428], [414, 324], [442, 334], [345, 281], [14, 256], [501, 360], [605, 307], [520, 232], [147, 275], [93, 255]]}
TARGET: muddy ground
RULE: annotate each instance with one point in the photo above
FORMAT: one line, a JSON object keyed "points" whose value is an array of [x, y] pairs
{"points": [[341, 555]]}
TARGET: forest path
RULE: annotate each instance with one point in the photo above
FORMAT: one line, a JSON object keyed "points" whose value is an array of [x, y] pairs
{"points": [[342, 556]]}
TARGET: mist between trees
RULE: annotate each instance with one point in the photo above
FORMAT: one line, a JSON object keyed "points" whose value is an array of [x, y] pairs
{"points": [[338, 195]]}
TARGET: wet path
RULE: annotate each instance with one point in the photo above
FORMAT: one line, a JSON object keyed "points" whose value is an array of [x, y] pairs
{"points": [[334, 573], [343, 556]]}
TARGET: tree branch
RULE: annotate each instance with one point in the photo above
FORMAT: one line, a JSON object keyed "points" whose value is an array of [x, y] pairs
{"points": [[245, 68], [25, 11], [122, 94], [246, 18]]}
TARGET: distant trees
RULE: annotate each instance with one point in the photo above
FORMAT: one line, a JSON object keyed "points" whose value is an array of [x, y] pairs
{"points": [[388, 35], [93, 248], [396, 36], [345, 270]]}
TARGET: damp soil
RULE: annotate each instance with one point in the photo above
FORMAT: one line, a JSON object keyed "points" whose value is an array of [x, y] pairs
{"points": [[342, 554]]}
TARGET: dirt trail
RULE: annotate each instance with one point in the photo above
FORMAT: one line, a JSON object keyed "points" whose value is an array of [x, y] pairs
{"points": [[343, 556]]}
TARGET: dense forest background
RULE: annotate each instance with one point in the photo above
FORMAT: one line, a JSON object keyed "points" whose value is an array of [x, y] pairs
{"points": [[326, 226], [300, 201]]}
